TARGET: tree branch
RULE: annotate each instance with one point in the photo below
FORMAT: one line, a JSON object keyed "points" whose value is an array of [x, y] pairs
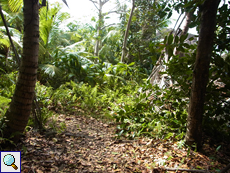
{"points": [[108, 25], [177, 22], [109, 12], [94, 3], [180, 23], [104, 2]]}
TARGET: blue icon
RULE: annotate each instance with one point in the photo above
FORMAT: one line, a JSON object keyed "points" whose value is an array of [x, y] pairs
{"points": [[9, 160]]}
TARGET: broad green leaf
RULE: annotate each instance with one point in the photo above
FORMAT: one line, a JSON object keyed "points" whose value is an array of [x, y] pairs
{"points": [[181, 49], [191, 38], [165, 40], [49, 69], [170, 51], [131, 64], [183, 38], [193, 24], [170, 39], [186, 45], [169, 14], [176, 40], [167, 9]]}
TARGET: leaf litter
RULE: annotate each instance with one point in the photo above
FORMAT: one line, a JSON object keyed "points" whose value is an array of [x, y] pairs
{"points": [[90, 145]]}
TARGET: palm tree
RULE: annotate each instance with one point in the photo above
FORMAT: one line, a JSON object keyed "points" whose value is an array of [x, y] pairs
{"points": [[50, 20], [50, 38], [17, 115]]}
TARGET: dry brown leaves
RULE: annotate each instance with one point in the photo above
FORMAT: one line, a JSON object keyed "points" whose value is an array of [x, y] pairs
{"points": [[88, 145]]}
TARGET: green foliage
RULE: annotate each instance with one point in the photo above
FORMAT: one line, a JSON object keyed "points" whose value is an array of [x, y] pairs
{"points": [[15, 5], [180, 66], [7, 60], [117, 75], [145, 33], [111, 49], [62, 97], [50, 19], [43, 95], [41, 107], [71, 78], [7, 84], [46, 100], [217, 107], [3, 105], [157, 114], [78, 94], [216, 118]]}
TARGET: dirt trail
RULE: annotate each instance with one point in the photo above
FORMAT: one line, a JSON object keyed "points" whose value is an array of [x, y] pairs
{"points": [[88, 145]]}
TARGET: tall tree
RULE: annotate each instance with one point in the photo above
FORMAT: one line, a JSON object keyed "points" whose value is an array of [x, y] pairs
{"points": [[99, 5], [148, 18], [17, 115], [124, 49], [201, 72], [100, 23]]}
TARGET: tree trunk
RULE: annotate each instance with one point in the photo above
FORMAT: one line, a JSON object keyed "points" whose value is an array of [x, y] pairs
{"points": [[124, 49], [99, 27], [100, 18], [20, 108], [185, 30], [188, 21], [201, 73]]}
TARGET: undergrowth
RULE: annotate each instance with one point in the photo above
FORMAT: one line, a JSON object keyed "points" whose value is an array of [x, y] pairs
{"points": [[138, 110], [158, 114], [151, 111]]}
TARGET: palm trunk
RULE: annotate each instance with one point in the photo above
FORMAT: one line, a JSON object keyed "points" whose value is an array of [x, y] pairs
{"points": [[201, 73], [20, 108], [124, 49]]}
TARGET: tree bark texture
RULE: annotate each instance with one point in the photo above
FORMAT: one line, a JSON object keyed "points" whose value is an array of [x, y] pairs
{"points": [[201, 73], [20, 108], [124, 49], [188, 21]]}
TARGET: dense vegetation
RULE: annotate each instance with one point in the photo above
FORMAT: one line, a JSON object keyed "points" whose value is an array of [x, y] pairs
{"points": [[71, 77]]}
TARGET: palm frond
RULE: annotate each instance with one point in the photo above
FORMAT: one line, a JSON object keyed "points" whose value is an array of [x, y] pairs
{"points": [[50, 20], [16, 37], [15, 5], [51, 70]]}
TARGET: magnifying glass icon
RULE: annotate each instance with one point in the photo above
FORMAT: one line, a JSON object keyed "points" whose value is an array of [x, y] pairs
{"points": [[9, 160]]}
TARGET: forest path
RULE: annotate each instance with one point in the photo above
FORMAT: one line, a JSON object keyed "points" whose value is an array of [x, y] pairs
{"points": [[89, 145]]}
